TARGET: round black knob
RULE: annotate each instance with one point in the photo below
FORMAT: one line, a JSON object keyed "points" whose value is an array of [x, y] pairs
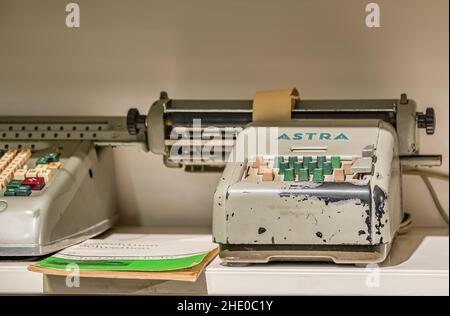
{"points": [[427, 120], [135, 121]]}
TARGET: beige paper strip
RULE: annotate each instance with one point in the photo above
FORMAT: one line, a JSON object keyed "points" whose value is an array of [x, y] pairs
{"points": [[274, 105]]}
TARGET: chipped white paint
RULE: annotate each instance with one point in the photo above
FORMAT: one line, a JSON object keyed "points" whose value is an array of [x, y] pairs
{"points": [[363, 212], [292, 219]]}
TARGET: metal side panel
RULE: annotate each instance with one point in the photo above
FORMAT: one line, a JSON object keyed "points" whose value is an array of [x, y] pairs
{"points": [[298, 214], [76, 204]]}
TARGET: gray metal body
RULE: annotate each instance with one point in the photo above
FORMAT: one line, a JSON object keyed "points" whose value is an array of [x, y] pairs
{"points": [[348, 222], [78, 203]]}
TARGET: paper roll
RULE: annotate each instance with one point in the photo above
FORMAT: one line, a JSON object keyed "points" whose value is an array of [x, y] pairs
{"points": [[274, 105]]}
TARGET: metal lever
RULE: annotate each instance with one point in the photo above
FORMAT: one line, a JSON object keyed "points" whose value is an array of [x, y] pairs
{"points": [[417, 161], [426, 120]]}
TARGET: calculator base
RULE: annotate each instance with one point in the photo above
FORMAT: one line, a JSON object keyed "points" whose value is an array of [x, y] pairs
{"points": [[348, 254], [44, 249]]}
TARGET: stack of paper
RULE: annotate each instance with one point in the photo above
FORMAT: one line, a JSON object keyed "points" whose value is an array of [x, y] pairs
{"points": [[134, 256]]}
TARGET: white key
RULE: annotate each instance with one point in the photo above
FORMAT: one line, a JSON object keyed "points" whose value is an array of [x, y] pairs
{"points": [[45, 174], [20, 174], [362, 165], [31, 173]]}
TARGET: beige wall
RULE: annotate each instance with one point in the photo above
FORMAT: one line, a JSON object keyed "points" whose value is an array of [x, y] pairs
{"points": [[127, 51]]}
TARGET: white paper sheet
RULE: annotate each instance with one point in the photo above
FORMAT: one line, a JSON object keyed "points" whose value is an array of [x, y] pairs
{"points": [[139, 247]]}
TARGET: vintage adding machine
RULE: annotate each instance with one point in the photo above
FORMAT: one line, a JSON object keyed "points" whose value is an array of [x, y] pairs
{"points": [[331, 191]]}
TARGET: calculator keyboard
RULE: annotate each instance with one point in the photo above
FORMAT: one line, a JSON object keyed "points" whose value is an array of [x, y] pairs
{"points": [[316, 169], [20, 177]]}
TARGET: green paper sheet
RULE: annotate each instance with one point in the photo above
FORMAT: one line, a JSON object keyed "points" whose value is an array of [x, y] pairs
{"points": [[125, 265]]}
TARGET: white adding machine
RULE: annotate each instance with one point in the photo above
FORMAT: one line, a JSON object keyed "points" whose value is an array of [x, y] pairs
{"points": [[330, 191]]}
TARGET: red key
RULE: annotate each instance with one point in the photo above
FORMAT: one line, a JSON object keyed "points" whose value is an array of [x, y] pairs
{"points": [[35, 183]]}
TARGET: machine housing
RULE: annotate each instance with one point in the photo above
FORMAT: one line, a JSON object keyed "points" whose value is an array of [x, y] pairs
{"points": [[354, 221], [77, 203]]}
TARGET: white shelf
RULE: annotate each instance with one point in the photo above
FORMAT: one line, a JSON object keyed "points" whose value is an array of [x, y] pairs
{"points": [[418, 265], [16, 279]]}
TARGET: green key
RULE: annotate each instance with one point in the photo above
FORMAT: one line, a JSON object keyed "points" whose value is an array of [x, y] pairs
{"points": [[10, 192], [277, 161], [14, 184], [336, 162], [292, 160], [297, 166], [23, 190], [311, 166], [318, 175], [289, 174], [53, 157], [2, 152], [320, 161], [283, 166], [306, 160], [42, 161], [327, 168], [303, 174]]}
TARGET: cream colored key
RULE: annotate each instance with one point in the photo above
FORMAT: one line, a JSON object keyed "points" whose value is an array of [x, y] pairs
{"points": [[2, 176], [45, 174], [338, 175], [262, 166], [7, 173], [347, 168], [10, 154], [41, 167], [14, 165], [54, 165], [6, 159], [22, 157], [3, 165], [259, 160], [25, 153], [6, 177], [19, 174], [267, 175], [9, 170], [31, 173], [22, 161], [328, 178]]}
